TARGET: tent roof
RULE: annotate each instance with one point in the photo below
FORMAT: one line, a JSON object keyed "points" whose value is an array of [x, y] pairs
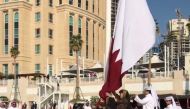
{"points": [[74, 67], [155, 59], [30, 74], [97, 65], [96, 68]]}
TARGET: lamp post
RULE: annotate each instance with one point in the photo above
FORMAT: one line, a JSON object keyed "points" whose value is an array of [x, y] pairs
{"points": [[157, 32]]}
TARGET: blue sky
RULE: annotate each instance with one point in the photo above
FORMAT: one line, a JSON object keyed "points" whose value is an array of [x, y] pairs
{"points": [[163, 10]]}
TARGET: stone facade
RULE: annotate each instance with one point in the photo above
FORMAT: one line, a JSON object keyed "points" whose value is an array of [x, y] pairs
{"points": [[46, 24]]}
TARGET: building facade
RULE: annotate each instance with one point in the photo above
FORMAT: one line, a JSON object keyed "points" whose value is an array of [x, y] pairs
{"points": [[41, 29], [179, 41]]}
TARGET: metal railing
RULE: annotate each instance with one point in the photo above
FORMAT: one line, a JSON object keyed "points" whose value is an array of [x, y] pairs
{"points": [[3, 82]]}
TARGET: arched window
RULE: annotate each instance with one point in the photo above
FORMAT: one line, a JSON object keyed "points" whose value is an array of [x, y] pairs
{"points": [[60, 2], [87, 33], [16, 29], [80, 25], [86, 4], [79, 3], [80, 29], [71, 2], [6, 34], [70, 33]]}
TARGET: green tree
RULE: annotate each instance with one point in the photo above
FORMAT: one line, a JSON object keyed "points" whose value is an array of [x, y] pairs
{"points": [[14, 54], [94, 100], [76, 45]]}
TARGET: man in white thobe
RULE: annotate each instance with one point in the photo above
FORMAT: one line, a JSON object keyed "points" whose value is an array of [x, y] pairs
{"points": [[13, 105], [87, 106], [147, 102], [2, 105], [170, 102]]}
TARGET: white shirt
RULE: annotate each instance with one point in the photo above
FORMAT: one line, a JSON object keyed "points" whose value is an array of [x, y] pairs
{"points": [[169, 107], [13, 108], [2, 108], [178, 107], [147, 102], [87, 107]]}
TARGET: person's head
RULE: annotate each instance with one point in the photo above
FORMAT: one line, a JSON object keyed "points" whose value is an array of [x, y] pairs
{"points": [[13, 104], [111, 103], [168, 100], [87, 103], [1, 104], [147, 91], [124, 93]]}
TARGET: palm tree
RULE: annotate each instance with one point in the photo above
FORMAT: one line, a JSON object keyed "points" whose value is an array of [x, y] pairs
{"points": [[76, 45], [14, 54]]}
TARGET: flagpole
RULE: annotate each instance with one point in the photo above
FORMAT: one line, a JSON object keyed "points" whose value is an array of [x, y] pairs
{"points": [[149, 69]]}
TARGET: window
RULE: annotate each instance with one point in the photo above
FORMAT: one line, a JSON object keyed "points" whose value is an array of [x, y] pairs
{"points": [[87, 39], [37, 49], [93, 40], [80, 29], [70, 34], [50, 17], [60, 2], [5, 1], [93, 6], [86, 4], [79, 3], [6, 34], [71, 2], [50, 49], [80, 25], [37, 32], [50, 68], [98, 7], [50, 33], [37, 16], [16, 29], [5, 69], [37, 2], [37, 68], [50, 3]]}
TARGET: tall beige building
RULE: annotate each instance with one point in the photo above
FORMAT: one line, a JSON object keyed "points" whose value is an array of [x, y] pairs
{"points": [[41, 29], [180, 45]]}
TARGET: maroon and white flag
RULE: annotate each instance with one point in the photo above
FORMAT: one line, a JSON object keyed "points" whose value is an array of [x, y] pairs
{"points": [[133, 36]]}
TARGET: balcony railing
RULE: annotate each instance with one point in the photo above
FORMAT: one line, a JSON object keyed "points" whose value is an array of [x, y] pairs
{"points": [[3, 82]]}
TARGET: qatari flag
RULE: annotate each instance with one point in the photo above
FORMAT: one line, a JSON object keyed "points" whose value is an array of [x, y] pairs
{"points": [[133, 36]]}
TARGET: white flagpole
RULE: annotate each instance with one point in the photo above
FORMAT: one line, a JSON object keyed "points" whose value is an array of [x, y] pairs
{"points": [[132, 72], [47, 68], [168, 60], [83, 66], [165, 60]]}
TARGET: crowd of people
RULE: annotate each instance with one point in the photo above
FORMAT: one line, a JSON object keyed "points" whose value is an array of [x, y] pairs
{"points": [[121, 100], [13, 105], [124, 101]]}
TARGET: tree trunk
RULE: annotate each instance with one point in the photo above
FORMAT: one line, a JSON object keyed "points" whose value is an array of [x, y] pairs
{"points": [[15, 80], [77, 78], [149, 72]]}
